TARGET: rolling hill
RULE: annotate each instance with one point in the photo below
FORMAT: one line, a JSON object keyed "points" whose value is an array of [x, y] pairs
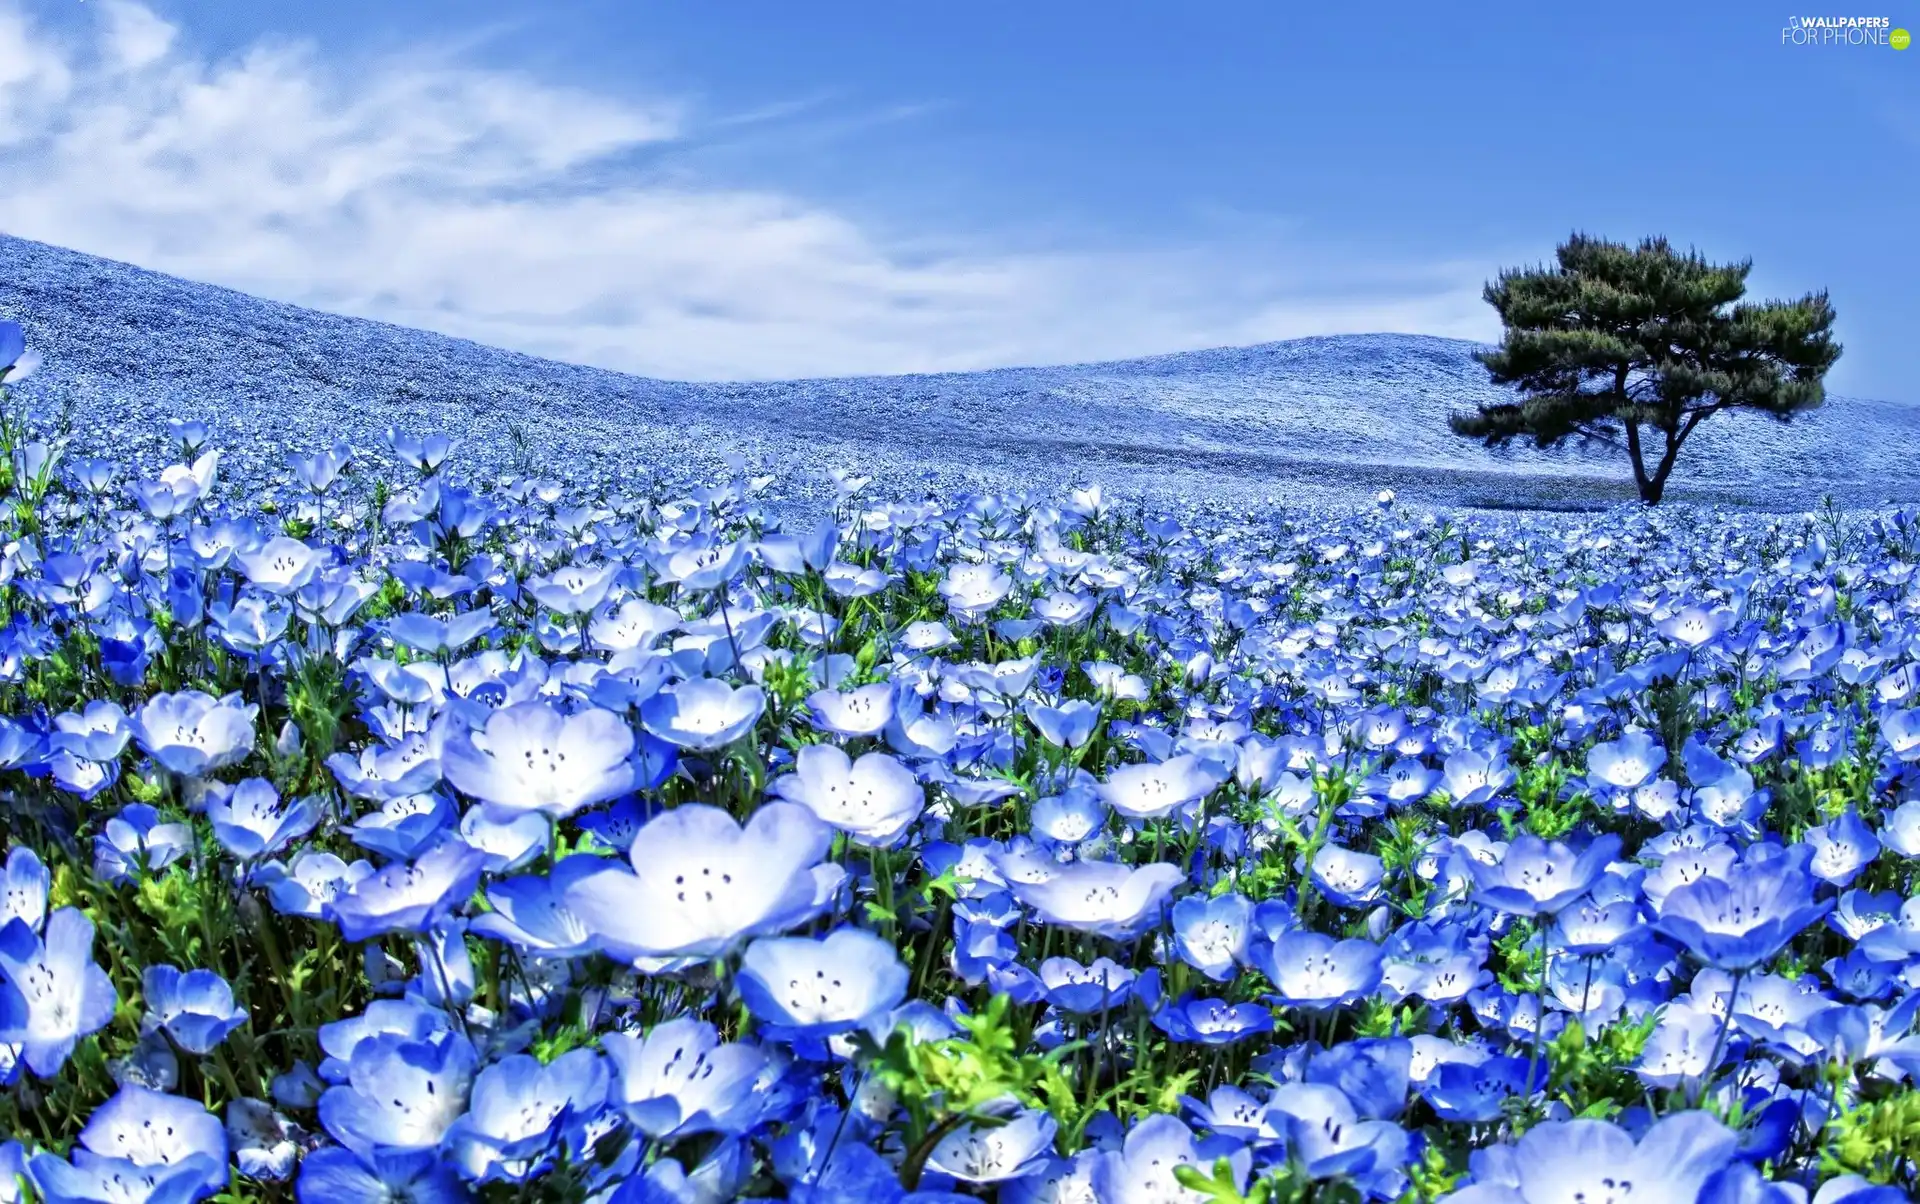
{"points": [[1309, 420]]}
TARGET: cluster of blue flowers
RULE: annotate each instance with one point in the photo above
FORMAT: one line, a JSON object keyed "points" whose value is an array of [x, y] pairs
{"points": [[379, 834]]}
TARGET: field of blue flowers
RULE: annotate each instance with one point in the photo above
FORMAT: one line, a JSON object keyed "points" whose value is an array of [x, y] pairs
{"points": [[379, 832]]}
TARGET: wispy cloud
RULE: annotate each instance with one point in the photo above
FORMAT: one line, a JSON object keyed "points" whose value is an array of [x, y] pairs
{"points": [[434, 192]]}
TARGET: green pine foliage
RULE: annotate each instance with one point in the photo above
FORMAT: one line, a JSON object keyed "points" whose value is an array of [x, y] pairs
{"points": [[1637, 346]]}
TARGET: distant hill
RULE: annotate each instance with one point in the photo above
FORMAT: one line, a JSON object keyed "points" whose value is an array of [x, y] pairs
{"points": [[1320, 419]]}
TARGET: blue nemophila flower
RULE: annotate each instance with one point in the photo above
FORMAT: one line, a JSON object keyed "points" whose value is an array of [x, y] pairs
{"points": [[703, 713], [172, 495], [13, 1172], [1374, 1073], [999, 682], [1095, 987], [1057, 1181], [698, 569], [319, 471], [1900, 829], [1063, 609], [1535, 877], [13, 343], [404, 826], [51, 991], [1445, 981], [1329, 1139], [1314, 971], [311, 882], [616, 826], [1198, 1021], [680, 1079], [435, 636], [1068, 725], [1212, 935], [1102, 897], [1901, 731], [1899, 940], [414, 684], [1472, 779], [400, 1093], [1629, 762], [426, 453], [195, 1008], [635, 624], [1597, 1161], [408, 898], [994, 1153], [265, 1144], [1141, 1171], [84, 778], [1477, 1092], [1740, 920], [1347, 878], [281, 565], [137, 840], [862, 711], [973, 590], [447, 978], [249, 822], [1155, 790], [821, 1167], [1758, 742], [1590, 928], [701, 883], [530, 757], [1678, 1052], [818, 987], [139, 1146], [1695, 626], [874, 799], [24, 882], [1073, 815], [20, 746], [983, 951], [1740, 1183], [409, 1018], [193, 733], [1847, 1189], [1407, 780], [100, 732], [1841, 848], [531, 913], [508, 844], [1861, 976], [382, 772], [720, 1176], [523, 1116], [1236, 1114], [1867, 1033]]}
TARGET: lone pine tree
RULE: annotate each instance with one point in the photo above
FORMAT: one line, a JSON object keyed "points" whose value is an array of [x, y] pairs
{"points": [[1640, 342]]}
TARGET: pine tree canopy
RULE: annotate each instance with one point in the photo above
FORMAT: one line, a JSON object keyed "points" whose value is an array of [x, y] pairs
{"points": [[1627, 343]]}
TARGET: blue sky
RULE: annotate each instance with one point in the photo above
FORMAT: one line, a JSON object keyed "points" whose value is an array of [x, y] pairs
{"points": [[780, 188]]}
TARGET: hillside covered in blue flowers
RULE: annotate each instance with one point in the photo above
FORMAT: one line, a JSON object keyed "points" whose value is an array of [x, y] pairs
{"points": [[1310, 420]]}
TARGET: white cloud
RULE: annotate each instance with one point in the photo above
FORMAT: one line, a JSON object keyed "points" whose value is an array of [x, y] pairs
{"points": [[134, 37], [499, 207]]}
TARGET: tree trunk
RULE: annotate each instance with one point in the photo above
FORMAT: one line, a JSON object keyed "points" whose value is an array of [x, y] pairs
{"points": [[1649, 489], [1653, 487], [1654, 484]]}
